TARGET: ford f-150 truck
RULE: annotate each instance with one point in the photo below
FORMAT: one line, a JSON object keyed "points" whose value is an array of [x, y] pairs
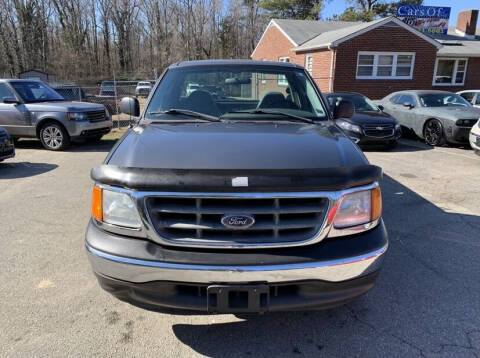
{"points": [[252, 201]]}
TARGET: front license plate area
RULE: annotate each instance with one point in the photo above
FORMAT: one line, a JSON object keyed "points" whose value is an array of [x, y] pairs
{"points": [[238, 298]]}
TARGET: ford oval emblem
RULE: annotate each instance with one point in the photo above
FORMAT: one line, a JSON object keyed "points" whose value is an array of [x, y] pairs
{"points": [[238, 222]]}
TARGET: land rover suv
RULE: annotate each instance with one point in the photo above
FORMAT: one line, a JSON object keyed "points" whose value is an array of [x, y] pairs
{"points": [[30, 108], [252, 201]]}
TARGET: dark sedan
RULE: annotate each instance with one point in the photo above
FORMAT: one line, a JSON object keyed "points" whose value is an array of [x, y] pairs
{"points": [[7, 149], [369, 125]]}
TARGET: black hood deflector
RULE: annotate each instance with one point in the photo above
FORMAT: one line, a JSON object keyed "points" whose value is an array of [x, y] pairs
{"points": [[221, 179]]}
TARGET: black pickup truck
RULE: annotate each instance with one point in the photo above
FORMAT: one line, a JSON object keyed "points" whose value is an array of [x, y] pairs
{"points": [[249, 200]]}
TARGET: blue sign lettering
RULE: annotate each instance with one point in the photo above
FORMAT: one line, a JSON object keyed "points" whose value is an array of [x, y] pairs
{"points": [[430, 19], [423, 11]]}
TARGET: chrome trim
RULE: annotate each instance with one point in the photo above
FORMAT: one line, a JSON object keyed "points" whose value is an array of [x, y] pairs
{"points": [[121, 230], [148, 229], [134, 270], [335, 232]]}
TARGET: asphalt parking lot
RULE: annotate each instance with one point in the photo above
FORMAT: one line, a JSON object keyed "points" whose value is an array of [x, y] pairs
{"points": [[426, 302]]}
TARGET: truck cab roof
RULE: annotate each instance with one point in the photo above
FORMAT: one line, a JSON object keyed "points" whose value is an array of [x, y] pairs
{"points": [[244, 62]]}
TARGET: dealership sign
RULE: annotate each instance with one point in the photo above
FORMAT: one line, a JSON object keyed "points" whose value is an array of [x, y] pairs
{"points": [[431, 19]]}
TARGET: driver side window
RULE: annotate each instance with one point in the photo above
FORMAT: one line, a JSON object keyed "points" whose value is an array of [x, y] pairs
{"points": [[477, 100], [405, 99], [5, 92], [468, 96]]}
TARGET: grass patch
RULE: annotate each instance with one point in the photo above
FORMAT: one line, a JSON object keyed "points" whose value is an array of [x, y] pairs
{"points": [[115, 134]]}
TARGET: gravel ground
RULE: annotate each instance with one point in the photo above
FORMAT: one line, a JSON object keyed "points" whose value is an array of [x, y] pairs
{"points": [[426, 301]]}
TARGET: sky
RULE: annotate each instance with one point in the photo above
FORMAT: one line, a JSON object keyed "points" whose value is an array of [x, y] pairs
{"points": [[337, 7]]}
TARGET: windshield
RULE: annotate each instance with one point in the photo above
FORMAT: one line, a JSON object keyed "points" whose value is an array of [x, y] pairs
{"points": [[35, 92], [221, 90], [144, 84], [443, 100], [361, 103]]}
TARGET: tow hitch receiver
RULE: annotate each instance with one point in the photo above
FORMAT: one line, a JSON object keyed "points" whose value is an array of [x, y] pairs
{"points": [[238, 298]]}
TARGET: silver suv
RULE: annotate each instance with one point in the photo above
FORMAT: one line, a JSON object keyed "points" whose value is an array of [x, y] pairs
{"points": [[30, 108]]}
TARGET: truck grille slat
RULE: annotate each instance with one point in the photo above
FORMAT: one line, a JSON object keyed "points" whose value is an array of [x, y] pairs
{"points": [[196, 219], [192, 209]]}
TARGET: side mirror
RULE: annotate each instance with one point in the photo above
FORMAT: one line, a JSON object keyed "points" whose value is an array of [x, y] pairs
{"points": [[130, 105], [380, 107], [344, 109], [10, 100], [409, 105]]}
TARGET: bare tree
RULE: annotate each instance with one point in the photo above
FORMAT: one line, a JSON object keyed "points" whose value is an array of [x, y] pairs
{"points": [[88, 40]]}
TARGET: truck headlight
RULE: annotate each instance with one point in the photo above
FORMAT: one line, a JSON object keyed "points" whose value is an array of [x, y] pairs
{"points": [[115, 208], [77, 116], [358, 208], [348, 126]]}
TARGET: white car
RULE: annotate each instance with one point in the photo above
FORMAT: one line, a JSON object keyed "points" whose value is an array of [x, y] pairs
{"points": [[474, 137], [472, 96], [143, 89]]}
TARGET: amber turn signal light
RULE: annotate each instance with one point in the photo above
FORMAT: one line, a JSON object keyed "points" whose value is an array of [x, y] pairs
{"points": [[376, 204], [97, 208]]}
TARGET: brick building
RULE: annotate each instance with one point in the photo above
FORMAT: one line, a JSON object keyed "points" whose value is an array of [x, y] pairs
{"points": [[377, 57]]}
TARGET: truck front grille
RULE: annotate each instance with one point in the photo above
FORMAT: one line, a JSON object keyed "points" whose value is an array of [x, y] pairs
{"points": [[96, 116], [196, 220], [378, 130]]}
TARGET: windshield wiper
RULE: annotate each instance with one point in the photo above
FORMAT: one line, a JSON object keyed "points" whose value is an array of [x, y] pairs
{"points": [[186, 112], [261, 111]]}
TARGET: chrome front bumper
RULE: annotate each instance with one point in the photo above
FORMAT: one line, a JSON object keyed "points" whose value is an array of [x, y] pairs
{"points": [[138, 271]]}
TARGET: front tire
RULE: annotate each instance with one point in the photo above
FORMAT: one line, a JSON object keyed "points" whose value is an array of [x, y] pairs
{"points": [[433, 133], [54, 137]]}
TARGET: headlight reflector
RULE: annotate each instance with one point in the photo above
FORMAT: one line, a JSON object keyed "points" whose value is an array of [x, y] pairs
{"points": [[348, 126], [77, 116], [115, 208], [358, 208]]}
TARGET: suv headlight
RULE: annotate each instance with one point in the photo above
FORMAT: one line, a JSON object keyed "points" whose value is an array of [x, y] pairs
{"points": [[115, 208], [357, 209], [77, 116], [348, 126]]}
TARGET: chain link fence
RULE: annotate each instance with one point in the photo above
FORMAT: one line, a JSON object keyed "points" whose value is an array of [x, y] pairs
{"points": [[108, 93]]}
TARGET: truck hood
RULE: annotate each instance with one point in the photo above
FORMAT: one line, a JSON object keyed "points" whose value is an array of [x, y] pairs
{"points": [[236, 145], [63, 106], [452, 112]]}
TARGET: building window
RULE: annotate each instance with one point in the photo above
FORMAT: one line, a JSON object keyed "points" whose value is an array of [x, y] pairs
{"points": [[309, 63], [450, 71], [385, 65], [282, 81]]}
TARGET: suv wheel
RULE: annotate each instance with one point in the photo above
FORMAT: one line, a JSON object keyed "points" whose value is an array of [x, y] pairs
{"points": [[433, 133], [54, 137]]}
